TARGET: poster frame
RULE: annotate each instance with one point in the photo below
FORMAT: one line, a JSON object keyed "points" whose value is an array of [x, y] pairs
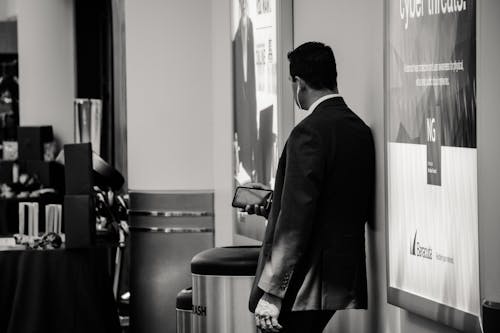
{"points": [[415, 304], [253, 228]]}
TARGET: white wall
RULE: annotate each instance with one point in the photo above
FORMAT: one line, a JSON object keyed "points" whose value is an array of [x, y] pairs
{"points": [[46, 65], [169, 94], [223, 121], [8, 10]]}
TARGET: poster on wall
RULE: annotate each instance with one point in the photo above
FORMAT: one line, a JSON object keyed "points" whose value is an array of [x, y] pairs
{"points": [[431, 152], [254, 91], [255, 100]]}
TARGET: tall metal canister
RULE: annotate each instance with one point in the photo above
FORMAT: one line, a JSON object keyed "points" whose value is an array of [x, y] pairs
{"points": [[183, 309], [222, 280]]}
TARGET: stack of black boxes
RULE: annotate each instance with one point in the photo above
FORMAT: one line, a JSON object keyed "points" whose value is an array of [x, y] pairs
{"points": [[79, 205], [35, 160]]}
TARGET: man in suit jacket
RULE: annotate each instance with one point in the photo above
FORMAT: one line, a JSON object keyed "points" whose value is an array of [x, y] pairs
{"points": [[312, 261]]}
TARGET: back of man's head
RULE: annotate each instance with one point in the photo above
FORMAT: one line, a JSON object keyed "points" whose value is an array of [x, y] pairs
{"points": [[314, 62]]}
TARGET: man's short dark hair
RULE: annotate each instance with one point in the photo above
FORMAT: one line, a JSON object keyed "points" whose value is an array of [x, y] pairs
{"points": [[314, 62]]}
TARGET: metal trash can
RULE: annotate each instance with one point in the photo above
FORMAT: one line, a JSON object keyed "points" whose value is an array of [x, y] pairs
{"points": [[183, 309], [491, 316], [222, 280]]}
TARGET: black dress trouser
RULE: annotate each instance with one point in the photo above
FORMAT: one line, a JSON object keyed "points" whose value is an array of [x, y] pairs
{"points": [[304, 321]]}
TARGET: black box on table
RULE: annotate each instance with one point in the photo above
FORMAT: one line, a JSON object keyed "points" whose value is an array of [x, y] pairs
{"points": [[79, 221]]}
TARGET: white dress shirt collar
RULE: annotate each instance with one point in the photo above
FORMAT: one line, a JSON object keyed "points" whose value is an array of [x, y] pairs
{"points": [[320, 100]]}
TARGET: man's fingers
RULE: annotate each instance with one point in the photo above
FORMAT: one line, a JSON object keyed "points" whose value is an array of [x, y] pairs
{"points": [[257, 322], [269, 325], [255, 209], [275, 324], [249, 209], [263, 325]]}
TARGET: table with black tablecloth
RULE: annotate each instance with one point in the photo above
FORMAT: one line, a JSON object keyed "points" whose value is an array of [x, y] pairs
{"points": [[56, 291]]}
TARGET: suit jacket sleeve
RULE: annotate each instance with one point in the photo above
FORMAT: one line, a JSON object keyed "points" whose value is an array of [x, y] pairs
{"points": [[303, 176]]}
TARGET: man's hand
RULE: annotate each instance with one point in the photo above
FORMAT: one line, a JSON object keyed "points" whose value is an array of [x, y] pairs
{"points": [[267, 312], [257, 209]]}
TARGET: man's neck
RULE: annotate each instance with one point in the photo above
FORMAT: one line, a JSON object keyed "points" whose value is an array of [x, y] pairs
{"points": [[317, 94]]}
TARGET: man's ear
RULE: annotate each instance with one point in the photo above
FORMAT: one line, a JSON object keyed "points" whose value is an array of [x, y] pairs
{"points": [[301, 83]]}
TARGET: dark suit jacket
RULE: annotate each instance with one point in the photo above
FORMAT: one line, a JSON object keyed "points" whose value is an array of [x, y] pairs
{"points": [[313, 252]]}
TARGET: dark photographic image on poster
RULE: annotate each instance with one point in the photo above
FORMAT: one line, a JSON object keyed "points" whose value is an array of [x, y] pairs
{"points": [[433, 63], [245, 96], [254, 91], [257, 117]]}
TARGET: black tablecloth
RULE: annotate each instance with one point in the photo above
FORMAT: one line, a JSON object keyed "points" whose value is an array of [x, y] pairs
{"points": [[66, 291]]}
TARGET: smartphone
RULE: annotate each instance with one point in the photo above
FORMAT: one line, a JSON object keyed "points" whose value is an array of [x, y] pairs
{"points": [[244, 196]]}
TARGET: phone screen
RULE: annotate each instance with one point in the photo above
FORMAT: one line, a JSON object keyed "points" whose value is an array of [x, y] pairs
{"points": [[251, 196]]}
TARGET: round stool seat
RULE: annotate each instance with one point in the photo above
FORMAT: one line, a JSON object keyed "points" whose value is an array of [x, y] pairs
{"points": [[226, 261]]}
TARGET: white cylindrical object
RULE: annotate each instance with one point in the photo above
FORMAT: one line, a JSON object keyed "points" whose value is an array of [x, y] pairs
{"points": [[36, 220], [22, 218], [96, 124], [88, 122]]}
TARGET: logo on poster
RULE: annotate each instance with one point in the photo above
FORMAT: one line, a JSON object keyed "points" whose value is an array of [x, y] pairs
{"points": [[431, 129], [418, 250]]}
